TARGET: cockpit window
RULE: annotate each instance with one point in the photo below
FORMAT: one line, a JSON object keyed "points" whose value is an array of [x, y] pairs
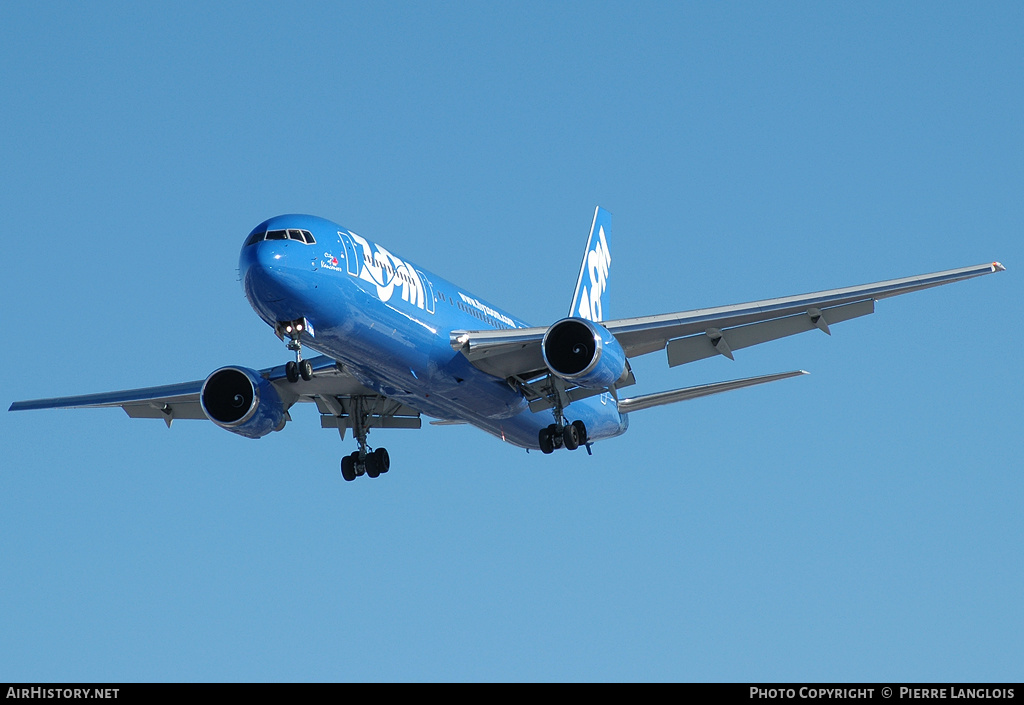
{"points": [[303, 236]]}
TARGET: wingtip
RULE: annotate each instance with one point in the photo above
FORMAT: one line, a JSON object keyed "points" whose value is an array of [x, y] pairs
{"points": [[997, 267]]}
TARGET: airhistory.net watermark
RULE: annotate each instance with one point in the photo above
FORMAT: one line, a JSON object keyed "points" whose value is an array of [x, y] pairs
{"points": [[62, 693]]}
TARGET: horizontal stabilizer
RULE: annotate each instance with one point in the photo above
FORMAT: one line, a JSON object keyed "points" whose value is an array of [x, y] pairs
{"points": [[670, 397]]}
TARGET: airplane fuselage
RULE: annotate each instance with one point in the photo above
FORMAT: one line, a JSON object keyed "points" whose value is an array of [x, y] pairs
{"points": [[388, 322]]}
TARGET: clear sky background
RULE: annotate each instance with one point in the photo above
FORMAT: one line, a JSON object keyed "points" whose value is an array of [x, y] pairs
{"points": [[862, 523]]}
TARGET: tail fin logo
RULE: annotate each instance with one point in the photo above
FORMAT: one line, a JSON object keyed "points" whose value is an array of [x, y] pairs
{"points": [[590, 300], [599, 261]]}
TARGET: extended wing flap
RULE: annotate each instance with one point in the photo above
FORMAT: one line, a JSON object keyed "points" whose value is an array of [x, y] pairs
{"points": [[374, 422], [366, 412], [165, 411], [715, 341]]}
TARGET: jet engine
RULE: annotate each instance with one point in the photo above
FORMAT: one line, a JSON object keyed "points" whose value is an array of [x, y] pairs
{"points": [[584, 353], [241, 401]]}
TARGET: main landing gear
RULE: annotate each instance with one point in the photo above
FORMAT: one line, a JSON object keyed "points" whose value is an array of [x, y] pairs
{"points": [[364, 461], [561, 435], [299, 368]]}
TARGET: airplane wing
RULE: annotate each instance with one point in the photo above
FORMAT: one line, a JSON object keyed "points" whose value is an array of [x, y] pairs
{"points": [[331, 388], [693, 335], [168, 402], [648, 401]]}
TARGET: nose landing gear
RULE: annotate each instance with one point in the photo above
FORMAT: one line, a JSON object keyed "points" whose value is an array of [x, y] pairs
{"points": [[293, 330]]}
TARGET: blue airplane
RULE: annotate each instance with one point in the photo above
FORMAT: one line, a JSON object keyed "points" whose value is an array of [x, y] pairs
{"points": [[397, 342]]}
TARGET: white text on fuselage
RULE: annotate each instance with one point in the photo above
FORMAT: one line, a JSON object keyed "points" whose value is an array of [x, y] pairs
{"points": [[385, 271], [487, 310]]}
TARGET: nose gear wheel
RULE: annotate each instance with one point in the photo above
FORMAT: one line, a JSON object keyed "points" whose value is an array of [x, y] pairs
{"points": [[293, 330]]}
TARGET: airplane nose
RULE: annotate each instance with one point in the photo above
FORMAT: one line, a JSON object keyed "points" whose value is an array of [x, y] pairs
{"points": [[264, 271], [274, 267], [270, 256]]}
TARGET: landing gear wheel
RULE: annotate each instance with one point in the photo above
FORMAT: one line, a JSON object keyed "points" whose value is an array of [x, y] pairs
{"points": [[348, 468], [291, 371], [306, 369], [383, 460], [581, 432], [547, 445], [570, 437], [371, 465]]}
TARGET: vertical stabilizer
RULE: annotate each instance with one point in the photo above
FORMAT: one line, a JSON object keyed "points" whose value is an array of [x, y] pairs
{"points": [[590, 300]]}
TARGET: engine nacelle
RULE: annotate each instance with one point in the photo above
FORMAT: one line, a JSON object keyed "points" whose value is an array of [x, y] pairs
{"points": [[584, 353], [241, 401]]}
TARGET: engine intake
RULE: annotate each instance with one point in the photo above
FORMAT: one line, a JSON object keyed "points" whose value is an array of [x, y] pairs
{"points": [[241, 401], [584, 353]]}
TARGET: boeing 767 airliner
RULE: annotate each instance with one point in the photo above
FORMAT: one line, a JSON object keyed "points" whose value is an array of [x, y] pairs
{"points": [[397, 342]]}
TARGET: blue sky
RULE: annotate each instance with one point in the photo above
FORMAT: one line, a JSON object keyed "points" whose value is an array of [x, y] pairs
{"points": [[862, 523]]}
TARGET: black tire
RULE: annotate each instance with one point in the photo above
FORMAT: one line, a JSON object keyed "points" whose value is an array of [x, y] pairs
{"points": [[371, 465], [348, 468], [383, 460], [581, 432], [547, 447], [291, 371], [570, 437], [306, 370]]}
